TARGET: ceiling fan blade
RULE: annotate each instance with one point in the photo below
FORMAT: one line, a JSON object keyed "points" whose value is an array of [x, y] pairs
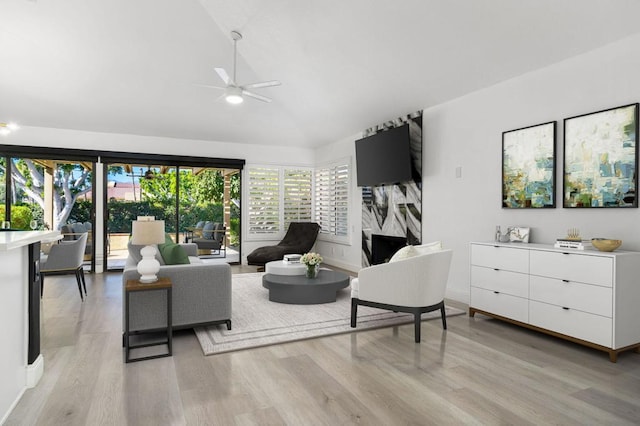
{"points": [[262, 84], [223, 75], [209, 86], [256, 96]]}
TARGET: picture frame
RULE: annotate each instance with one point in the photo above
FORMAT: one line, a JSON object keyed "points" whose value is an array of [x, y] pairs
{"points": [[518, 234], [601, 159], [529, 167]]}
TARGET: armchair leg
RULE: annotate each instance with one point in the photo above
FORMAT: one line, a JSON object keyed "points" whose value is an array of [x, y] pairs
{"points": [[78, 279], [354, 312], [444, 317], [84, 283], [41, 285], [417, 326], [228, 322]]}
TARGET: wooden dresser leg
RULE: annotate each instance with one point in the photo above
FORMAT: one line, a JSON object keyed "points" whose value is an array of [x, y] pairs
{"points": [[613, 356], [472, 312]]}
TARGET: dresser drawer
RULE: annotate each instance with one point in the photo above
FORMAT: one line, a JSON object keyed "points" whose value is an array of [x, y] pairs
{"points": [[596, 270], [513, 283], [583, 297], [500, 304], [581, 325], [507, 258]]}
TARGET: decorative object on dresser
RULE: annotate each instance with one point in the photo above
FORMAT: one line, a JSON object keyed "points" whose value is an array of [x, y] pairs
{"points": [[573, 240], [518, 234], [604, 244], [528, 167], [600, 158], [586, 297], [147, 232]]}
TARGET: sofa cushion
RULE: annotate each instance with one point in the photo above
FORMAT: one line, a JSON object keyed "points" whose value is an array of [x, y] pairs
{"points": [[173, 254], [134, 253]]}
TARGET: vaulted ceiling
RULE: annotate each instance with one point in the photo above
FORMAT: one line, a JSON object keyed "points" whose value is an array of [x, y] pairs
{"points": [[133, 66]]}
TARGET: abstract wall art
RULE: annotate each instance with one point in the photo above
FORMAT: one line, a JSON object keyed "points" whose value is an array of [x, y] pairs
{"points": [[528, 167], [601, 159]]}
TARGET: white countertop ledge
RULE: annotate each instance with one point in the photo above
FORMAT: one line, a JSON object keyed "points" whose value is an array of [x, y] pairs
{"points": [[10, 240]]}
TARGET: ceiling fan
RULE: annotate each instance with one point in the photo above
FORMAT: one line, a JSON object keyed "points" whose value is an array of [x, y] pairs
{"points": [[234, 92]]}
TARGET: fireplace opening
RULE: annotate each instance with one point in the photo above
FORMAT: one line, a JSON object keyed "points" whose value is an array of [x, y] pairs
{"points": [[384, 246]]}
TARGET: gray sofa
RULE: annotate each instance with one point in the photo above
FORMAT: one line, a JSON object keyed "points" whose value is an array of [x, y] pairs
{"points": [[201, 294]]}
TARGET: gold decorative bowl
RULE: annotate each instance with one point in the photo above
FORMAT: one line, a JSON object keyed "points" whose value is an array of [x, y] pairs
{"points": [[604, 244]]}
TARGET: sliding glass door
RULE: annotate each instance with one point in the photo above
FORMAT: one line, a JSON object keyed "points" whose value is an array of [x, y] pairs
{"points": [[49, 193], [180, 195]]}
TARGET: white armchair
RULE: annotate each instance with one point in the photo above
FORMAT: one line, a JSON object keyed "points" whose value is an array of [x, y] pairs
{"points": [[414, 285]]}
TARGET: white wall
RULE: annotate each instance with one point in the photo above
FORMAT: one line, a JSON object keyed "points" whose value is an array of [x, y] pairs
{"points": [[344, 255], [467, 132], [78, 139]]}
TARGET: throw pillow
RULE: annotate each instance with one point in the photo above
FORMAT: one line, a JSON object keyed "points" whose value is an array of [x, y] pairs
{"points": [[404, 253], [173, 254], [429, 247]]}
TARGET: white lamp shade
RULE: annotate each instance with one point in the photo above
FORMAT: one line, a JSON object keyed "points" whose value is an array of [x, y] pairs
{"points": [[147, 232]]}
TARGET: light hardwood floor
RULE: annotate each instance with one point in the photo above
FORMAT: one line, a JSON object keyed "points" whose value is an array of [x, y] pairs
{"points": [[480, 371]]}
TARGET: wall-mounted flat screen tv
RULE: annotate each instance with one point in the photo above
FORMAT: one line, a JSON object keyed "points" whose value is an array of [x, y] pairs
{"points": [[384, 158]]}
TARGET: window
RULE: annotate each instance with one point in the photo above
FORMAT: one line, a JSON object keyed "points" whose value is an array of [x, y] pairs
{"points": [[297, 196], [332, 200], [264, 201], [277, 197]]}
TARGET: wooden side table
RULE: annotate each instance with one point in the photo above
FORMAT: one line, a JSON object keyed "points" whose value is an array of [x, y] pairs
{"points": [[137, 286]]}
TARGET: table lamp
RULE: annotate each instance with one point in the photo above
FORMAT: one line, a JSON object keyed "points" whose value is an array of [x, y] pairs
{"points": [[146, 231]]}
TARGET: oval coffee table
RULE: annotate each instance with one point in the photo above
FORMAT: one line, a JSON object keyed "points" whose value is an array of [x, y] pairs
{"points": [[300, 290]]}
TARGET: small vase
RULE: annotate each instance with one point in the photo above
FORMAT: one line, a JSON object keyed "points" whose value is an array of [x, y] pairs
{"points": [[312, 271]]}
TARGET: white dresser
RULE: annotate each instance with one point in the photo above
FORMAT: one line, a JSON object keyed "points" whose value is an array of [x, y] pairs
{"points": [[588, 297]]}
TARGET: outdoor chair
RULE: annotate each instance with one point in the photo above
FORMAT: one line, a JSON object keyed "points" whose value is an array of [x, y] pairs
{"points": [[299, 239], [213, 238], [65, 258]]}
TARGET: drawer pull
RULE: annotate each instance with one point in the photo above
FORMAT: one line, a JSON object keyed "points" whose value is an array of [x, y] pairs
{"points": [[496, 269], [565, 308], [496, 292], [564, 252], [565, 281]]}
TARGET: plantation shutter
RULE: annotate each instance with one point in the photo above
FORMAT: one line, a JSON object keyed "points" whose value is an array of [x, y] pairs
{"points": [[332, 199], [264, 201], [297, 196]]}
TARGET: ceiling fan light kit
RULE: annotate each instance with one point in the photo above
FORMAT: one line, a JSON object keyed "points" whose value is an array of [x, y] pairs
{"points": [[234, 93]]}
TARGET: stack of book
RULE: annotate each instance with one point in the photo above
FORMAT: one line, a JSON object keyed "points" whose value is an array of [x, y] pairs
{"points": [[292, 258], [572, 244]]}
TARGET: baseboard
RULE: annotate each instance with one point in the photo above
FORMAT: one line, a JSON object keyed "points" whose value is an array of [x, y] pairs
{"points": [[458, 296], [342, 265], [35, 371], [6, 415]]}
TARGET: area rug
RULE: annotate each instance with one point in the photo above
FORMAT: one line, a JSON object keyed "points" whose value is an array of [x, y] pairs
{"points": [[258, 322]]}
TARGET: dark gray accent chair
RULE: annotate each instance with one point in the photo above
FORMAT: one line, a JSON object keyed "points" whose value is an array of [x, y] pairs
{"points": [[65, 258], [213, 238], [299, 239]]}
